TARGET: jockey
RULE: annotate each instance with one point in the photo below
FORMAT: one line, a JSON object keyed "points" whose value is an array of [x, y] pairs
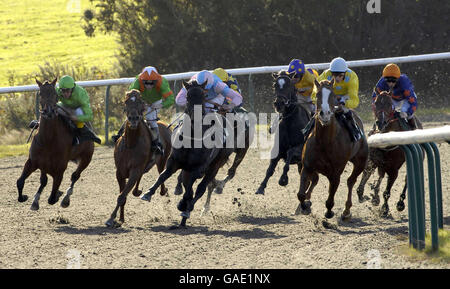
{"points": [[304, 79], [346, 86], [228, 79], [74, 101], [156, 92], [218, 93], [403, 96]]}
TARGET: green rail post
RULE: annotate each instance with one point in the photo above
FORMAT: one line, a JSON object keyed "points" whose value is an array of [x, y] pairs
{"points": [[433, 195], [108, 88], [412, 213], [419, 195], [438, 184]]}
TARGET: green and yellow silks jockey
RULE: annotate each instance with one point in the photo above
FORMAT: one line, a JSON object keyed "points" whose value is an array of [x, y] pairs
{"points": [[156, 93], [75, 105]]}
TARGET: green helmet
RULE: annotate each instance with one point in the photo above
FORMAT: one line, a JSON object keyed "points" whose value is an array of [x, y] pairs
{"points": [[66, 82]]}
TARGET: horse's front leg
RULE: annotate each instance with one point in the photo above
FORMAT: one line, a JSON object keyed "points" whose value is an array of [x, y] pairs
{"points": [[334, 184], [376, 188], [171, 168], [269, 173], [305, 205], [368, 171], [294, 151], [43, 179], [135, 175], [56, 193], [239, 157], [28, 169], [84, 162], [179, 187], [387, 193], [401, 201]]}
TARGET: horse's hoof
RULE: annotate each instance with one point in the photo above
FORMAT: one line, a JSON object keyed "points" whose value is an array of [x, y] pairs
{"points": [[34, 206], [185, 214], [400, 206], [137, 193], [178, 191], [22, 198], [260, 192], [204, 212], [346, 216], [329, 214], [65, 202], [146, 197], [218, 190], [375, 200], [113, 224], [283, 181], [384, 211], [164, 192]]}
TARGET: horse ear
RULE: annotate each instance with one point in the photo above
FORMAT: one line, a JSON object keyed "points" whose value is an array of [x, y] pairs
{"points": [[38, 82], [186, 84], [54, 81], [332, 81], [292, 74], [316, 83], [203, 85], [274, 75]]}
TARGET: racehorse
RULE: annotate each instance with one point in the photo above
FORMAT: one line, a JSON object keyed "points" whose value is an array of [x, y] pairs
{"points": [[289, 138], [327, 151], [243, 137], [196, 162], [132, 153], [52, 149], [387, 160]]}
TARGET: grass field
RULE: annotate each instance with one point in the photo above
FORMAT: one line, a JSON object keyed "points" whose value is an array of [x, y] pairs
{"points": [[34, 31]]}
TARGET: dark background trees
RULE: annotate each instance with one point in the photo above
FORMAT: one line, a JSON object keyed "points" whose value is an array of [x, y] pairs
{"points": [[189, 35]]}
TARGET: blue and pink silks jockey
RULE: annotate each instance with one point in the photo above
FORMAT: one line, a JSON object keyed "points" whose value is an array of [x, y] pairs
{"points": [[218, 92], [403, 96]]}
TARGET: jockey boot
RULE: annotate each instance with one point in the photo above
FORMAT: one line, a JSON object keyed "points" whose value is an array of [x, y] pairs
{"points": [[85, 133], [34, 124], [115, 137], [412, 123], [156, 146], [355, 132], [308, 128]]}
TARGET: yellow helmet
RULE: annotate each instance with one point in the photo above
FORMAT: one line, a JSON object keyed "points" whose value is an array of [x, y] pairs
{"points": [[221, 73], [391, 70]]}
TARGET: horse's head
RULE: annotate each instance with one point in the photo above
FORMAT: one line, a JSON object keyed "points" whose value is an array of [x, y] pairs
{"points": [[47, 98], [284, 90], [134, 107], [383, 108], [326, 100], [196, 95]]}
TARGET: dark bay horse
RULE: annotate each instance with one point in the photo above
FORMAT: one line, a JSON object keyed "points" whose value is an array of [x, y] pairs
{"points": [[289, 138], [196, 160], [387, 160], [51, 150], [242, 134], [327, 151], [132, 153]]}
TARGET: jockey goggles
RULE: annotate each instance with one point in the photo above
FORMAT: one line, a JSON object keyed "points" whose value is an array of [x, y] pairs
{"points": [[149, 82], [390, 79]]}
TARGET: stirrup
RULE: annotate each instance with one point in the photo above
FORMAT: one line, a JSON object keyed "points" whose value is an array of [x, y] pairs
{"points": [[34, 124]]}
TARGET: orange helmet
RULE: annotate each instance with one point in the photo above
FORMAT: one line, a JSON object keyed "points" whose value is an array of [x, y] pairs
{"points": [[149, 73], [391, 70]]}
